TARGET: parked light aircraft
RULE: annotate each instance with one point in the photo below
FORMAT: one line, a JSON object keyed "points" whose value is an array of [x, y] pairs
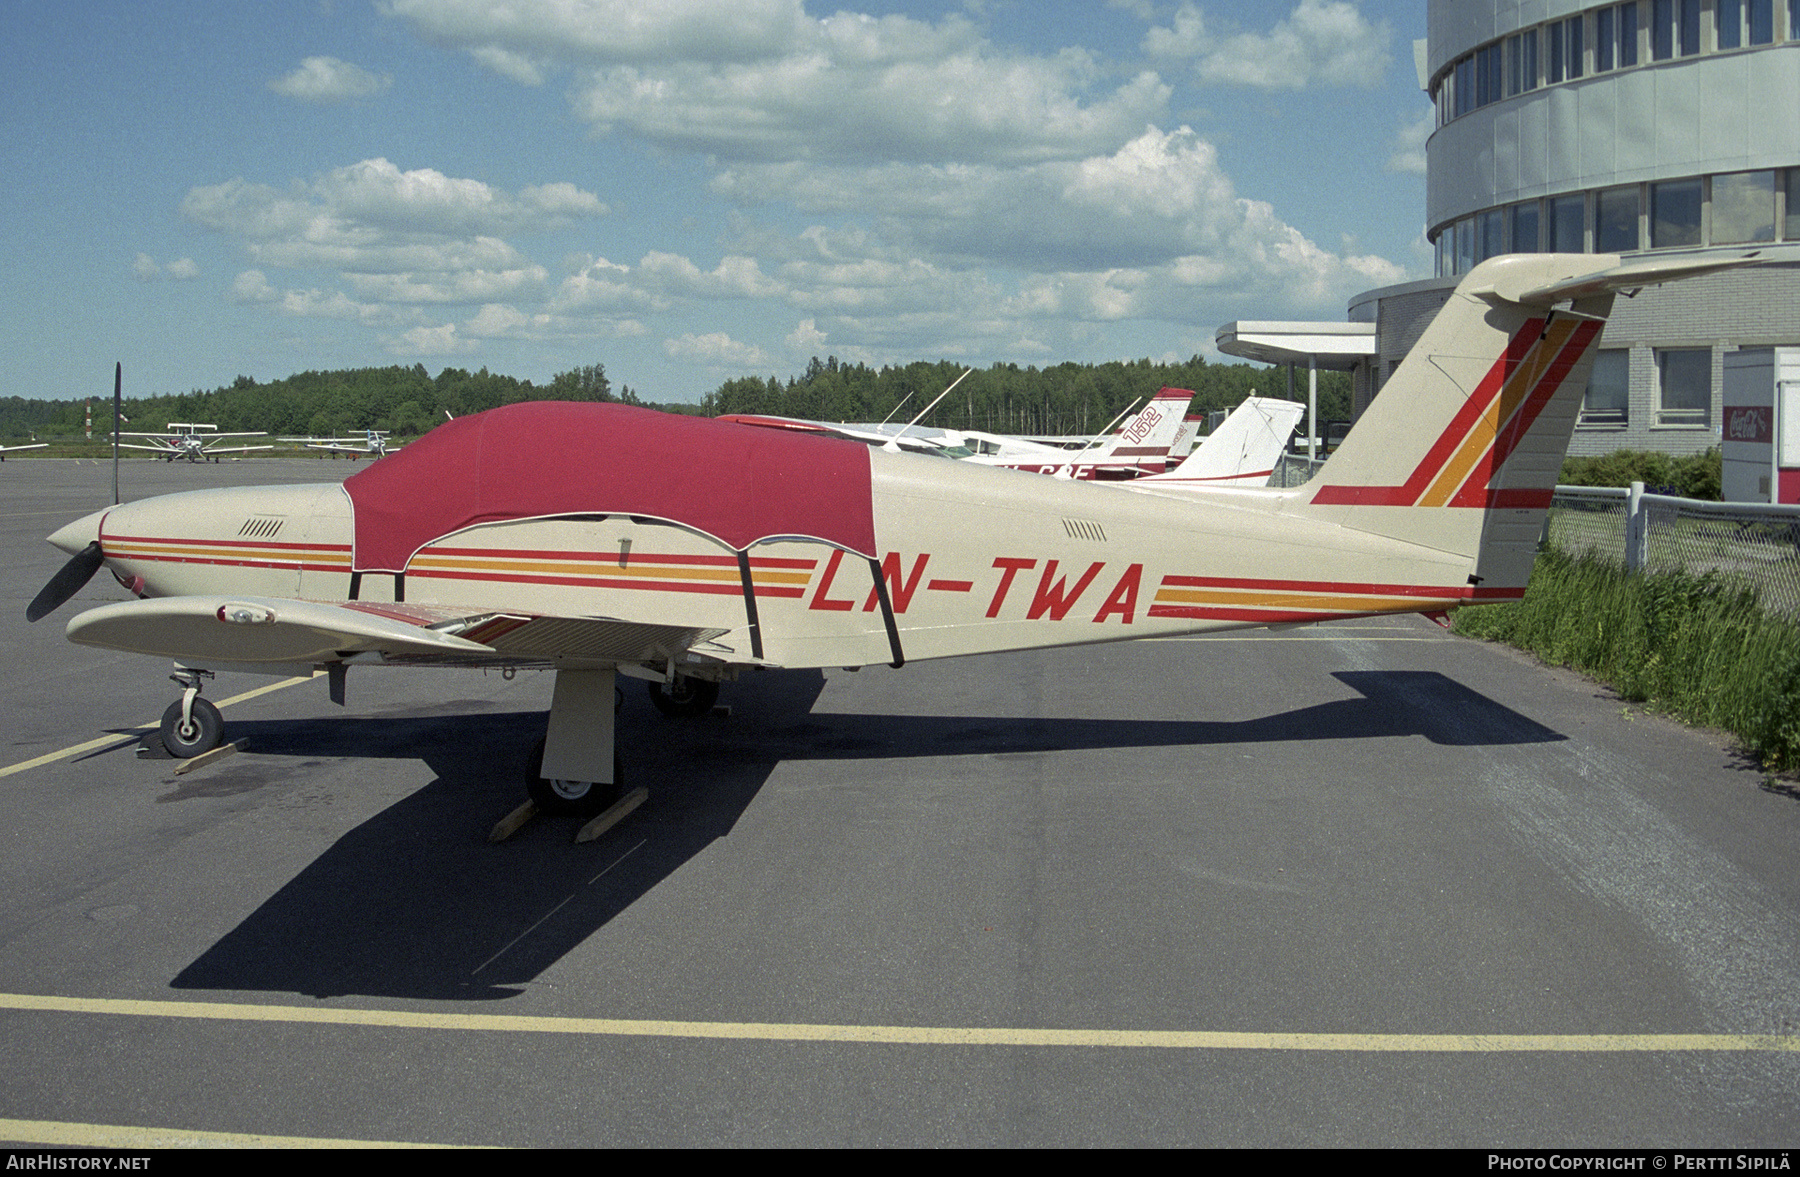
{"points": [[1141, 446], [601, 540], [1242, 451], [13, 449], [192, 441], [373, 443]]}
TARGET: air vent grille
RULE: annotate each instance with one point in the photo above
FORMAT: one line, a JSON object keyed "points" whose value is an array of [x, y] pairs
{"points": [[1084, 529], [261, 526]]}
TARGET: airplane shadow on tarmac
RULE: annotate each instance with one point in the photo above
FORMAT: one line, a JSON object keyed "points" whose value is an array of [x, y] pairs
{"points": [[415, 903]]}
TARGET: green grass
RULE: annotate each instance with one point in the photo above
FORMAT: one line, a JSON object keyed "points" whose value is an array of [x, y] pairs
{"points": [[1698, 647]]}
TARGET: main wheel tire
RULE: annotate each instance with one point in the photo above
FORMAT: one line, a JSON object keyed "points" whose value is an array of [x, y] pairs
{"points": [[570, 798], [201, 734], [688, 696]]}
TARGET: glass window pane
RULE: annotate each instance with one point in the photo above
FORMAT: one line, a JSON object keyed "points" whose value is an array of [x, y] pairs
{"points": [[1553, 52], [1465, 245], [1628, 34], [1675, 214], [1791, 230], [1573, 40], [1686, 386], [1608, 393], [1525, 227], [1731, 23], [1565, 224], [1465, 85], [1662, 29], [1616, 219], [1762, 21], [1690, 27], [1528, 69], [1488, 228], [1743, 207], [1604, 38]]}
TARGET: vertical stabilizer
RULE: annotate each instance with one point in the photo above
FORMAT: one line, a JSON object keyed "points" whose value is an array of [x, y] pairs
{"points": [[1461, 449]]}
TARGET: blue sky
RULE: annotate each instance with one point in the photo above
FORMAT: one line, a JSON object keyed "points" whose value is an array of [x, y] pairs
{"points": [[691, 190]]}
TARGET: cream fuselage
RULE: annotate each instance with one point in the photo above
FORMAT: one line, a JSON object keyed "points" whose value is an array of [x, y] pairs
{"points": [[974, 560]]}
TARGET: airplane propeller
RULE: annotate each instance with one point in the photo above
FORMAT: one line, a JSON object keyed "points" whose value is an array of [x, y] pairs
{"points": [[67, 582]]}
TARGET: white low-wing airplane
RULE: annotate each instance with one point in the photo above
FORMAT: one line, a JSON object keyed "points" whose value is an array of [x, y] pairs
{"points": [[1140, 447], [372, 444], [195, 442], [601, 539], [1242, 451]]}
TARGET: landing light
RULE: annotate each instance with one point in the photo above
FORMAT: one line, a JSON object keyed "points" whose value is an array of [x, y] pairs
{"points": [[242, 614]]}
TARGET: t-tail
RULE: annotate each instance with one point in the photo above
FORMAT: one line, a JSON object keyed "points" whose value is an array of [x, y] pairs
{"points": [[1461, 450]]}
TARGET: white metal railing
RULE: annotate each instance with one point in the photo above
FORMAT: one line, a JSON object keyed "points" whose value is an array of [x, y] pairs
{"points": [[1757, 544]]}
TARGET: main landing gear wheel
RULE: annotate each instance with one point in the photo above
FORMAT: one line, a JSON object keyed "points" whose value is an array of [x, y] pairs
{"points": [[688, 696], [569, 798], [201, 733]]}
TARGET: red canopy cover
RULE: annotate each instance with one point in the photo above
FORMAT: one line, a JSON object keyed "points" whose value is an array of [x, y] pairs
{"points": [[736, 483]]}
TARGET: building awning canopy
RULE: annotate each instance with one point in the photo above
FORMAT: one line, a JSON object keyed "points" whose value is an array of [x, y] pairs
{"points": [[1339, 346]]}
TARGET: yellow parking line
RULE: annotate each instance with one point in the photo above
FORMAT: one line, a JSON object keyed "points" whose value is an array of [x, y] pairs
{"points": [[121, 739], [918, 1035]]}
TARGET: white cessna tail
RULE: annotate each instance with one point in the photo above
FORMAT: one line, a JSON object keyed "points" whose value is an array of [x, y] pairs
{"points": [[602, 539], [1140, 447], [1242, 451]]}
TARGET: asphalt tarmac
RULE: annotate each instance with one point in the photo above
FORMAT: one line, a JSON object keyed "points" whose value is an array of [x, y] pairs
{"points": [[1358, 884]]}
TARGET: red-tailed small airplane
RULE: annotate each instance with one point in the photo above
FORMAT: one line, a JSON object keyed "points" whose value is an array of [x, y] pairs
{"points": [[1141, 446], [1242, 451], [194, 442], [602, 540]]}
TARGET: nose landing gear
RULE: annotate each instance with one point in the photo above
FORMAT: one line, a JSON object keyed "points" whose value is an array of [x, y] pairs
{"points": [[191, 725]]}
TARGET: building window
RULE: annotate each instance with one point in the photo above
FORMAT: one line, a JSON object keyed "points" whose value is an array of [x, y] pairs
{"points": [[1566, 217], [1488, 79], [1465, 245], [1488, 240], [1608, 398], [1522, 62], [1465, 85], [1524, 227], [1791, 228], [1616, 219], [1685, 376], [1745, 22], [1572, 43], [1662, 29], [1743, 207], [1675, 213], [1628, 34]]}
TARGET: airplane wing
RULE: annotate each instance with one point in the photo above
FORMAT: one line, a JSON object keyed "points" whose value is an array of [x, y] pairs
{"points": [[262, 631]]}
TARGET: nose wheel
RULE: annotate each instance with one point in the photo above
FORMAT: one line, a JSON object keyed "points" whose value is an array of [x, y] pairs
{"points": [[191, 725]]}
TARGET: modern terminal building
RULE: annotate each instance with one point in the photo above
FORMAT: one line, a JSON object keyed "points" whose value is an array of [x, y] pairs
{"points": [[1648, 126]]}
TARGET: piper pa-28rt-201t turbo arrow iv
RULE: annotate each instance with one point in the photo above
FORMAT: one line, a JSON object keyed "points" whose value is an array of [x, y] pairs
{"points": [[600, 539]]}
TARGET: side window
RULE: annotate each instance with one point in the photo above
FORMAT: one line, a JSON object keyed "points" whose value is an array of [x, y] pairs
{"points": [[1608, 400], [1685, 392]]}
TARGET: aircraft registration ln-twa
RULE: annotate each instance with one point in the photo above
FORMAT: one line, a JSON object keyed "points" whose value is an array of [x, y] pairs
{"points": [[602, 540]]}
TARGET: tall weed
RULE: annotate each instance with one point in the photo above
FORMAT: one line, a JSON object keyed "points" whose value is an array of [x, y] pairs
{"points": [[1698, 647]]}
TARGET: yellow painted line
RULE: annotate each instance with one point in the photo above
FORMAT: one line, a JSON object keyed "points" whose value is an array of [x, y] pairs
{"points": [[126, 1137], [120, 740], [915, 1035], [1298, 637], [1319, 601]]}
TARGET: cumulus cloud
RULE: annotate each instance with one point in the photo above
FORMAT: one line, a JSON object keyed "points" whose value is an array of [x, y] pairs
{"points": [[763, 80], [716, 349], [148, 270], [395, 237], [326, 79], [1409, 144], [1322, 42]]}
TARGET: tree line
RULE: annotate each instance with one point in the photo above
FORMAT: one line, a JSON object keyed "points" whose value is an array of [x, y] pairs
{"points": [[408, 401]]}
